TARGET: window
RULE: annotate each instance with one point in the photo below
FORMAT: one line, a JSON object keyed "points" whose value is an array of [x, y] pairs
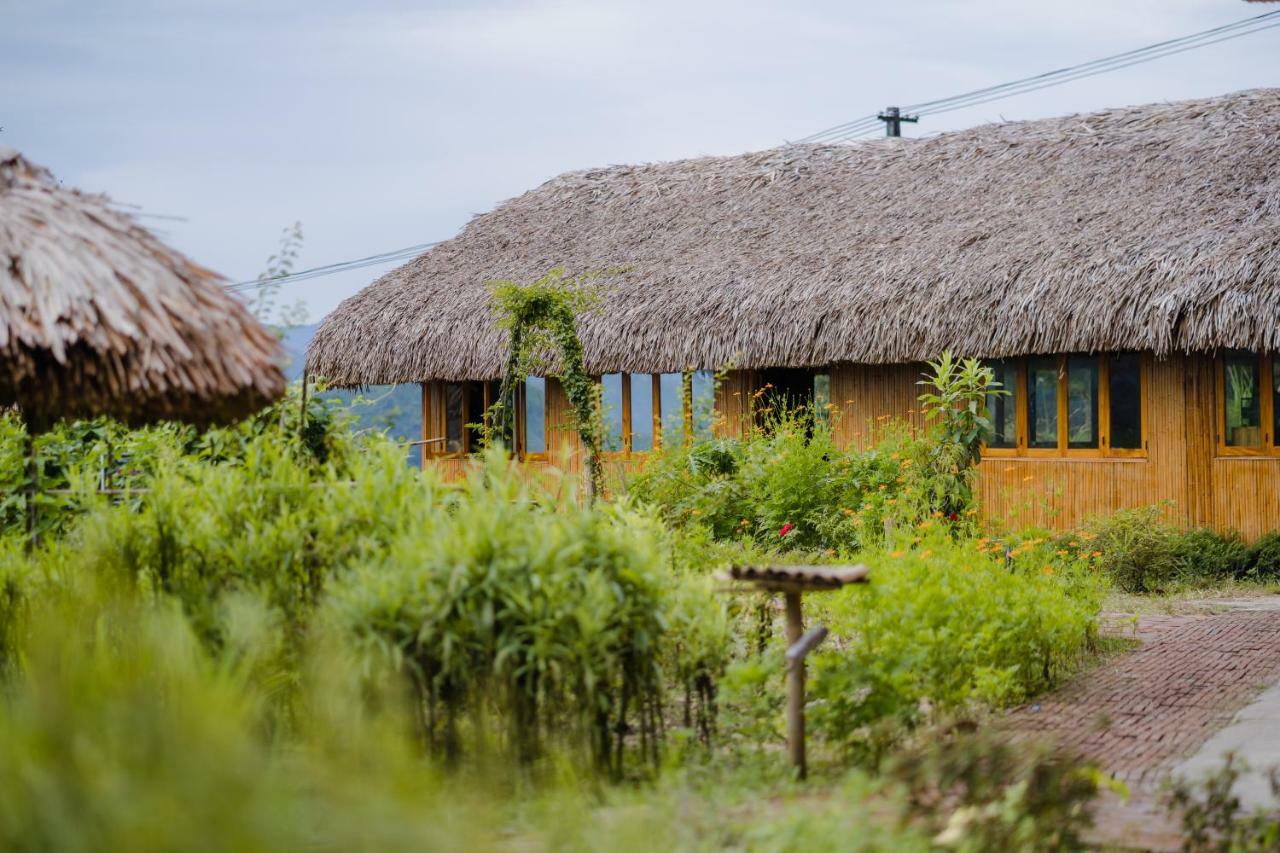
{"points": [[1124, 399], [1073, 405], [453, 416], [671, 399], [642, 410], [1003, 408], [1248, 385], [1042, 403], [702, 395], [534, 421], [1082, 402], [611, 401]]}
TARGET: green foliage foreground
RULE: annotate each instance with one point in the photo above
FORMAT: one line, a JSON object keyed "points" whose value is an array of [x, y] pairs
{"points": [[261, 642]]}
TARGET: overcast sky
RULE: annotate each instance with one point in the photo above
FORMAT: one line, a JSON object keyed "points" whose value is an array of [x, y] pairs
{"points": [[382, 124]]}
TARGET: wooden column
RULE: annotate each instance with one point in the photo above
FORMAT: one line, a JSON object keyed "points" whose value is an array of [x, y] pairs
{"points": [[795, 686]]}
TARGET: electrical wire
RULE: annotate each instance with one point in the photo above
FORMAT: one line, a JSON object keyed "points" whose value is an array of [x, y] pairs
{"points": [[330, 269], [1214, 35]]}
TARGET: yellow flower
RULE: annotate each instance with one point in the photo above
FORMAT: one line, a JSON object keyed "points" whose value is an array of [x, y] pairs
{"points": [[926, 524], [897, 554], [893, 455], [937, 513], [1096, 554], [906, 463], [847, 511], [1048, 570], [1060, 552], [695, 512], [744, 523], [926, 553], [891, 501], [883, 487]]}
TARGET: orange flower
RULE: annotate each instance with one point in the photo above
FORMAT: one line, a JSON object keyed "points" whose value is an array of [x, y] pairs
{"points": [[897, 554], [1048, 570], [926, 553]]}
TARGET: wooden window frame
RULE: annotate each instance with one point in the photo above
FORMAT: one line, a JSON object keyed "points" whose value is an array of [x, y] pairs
{"points": [[655, 386], [1019, 416], [522, 403], [1267, 448], [1022, 448]]}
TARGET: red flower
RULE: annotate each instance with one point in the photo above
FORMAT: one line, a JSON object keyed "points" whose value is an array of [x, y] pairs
{"points": [[953, 517], [786, 528]]}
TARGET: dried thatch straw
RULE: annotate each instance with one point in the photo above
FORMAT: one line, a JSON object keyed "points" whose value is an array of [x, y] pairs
{"points": [[100, 317], [1154, 228]]}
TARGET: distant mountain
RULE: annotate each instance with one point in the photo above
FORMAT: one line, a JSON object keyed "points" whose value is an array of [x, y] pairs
{"points": [[395, 409]]}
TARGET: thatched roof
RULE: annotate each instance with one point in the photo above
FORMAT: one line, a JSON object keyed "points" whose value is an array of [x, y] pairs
{"points": [[97, 316], [1153, 227]]}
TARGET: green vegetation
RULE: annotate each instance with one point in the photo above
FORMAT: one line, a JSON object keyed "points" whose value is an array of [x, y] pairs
{"points": [[264, 637], [1143, 553]]}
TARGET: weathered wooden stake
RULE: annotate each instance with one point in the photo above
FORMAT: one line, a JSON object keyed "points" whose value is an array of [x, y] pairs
{"points": [[795, 687], [302, 408], [32, 476]]}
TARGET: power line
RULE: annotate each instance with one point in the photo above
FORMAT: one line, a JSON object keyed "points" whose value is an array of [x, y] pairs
{"points": [[330, 269], [1247, 26]]}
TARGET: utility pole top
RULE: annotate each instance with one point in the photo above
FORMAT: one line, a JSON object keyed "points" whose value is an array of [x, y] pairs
{"points": [[893, 119]]}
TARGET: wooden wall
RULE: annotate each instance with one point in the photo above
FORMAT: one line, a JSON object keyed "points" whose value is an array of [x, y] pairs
{"points": [[1181, 471]]}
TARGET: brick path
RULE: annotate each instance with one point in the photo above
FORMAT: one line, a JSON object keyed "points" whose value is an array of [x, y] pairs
{"points": [[1140, 713]]}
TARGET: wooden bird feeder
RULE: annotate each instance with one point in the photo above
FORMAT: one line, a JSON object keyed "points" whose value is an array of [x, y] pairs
{"points": [[792, 581]]}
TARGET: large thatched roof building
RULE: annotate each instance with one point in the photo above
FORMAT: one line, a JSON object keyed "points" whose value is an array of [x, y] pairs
{"points": [[1151, 230]]}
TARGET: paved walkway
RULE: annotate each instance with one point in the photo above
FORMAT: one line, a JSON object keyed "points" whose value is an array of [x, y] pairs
{"points": [[1143, 713]]}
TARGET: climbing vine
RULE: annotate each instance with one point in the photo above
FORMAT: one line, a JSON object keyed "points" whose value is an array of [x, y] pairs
{"points": [[541, 319]]}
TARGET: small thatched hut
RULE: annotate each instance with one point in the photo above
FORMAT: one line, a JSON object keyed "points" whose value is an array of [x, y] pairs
{"points": [[98, 317], [1121, 269]]}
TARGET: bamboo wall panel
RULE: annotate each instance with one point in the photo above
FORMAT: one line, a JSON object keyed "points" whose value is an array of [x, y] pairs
{"points": [[868, 397], [1246, 492], [733, 403], [1200, 426]]}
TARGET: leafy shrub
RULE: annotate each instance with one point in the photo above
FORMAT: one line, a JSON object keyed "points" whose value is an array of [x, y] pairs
{"points": [[122, 732], [788, 486], [1264, 557], [549, 619], [76, 460], [941, 627], [268, 524], [978, 791], [1206, 556], [1137, 549], [1213, 818]]}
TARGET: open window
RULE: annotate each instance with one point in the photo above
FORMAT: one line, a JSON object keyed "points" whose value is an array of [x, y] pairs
{"points": [[1069, 405], [643, 411], [454, 417]]}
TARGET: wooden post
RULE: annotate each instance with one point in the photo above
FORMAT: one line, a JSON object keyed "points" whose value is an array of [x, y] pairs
{"points": [[302, 408], [795, 687], [31, 487]]}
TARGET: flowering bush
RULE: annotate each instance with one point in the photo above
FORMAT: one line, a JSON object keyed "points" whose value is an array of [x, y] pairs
{"points": [[943, 625]]}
